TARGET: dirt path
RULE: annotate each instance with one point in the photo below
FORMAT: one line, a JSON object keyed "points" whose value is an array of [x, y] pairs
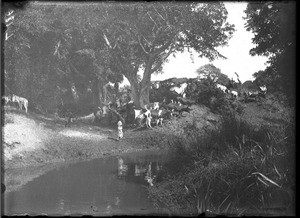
{"points": [[32, 140]]}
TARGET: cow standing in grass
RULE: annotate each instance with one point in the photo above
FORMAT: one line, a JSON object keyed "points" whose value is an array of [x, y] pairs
{"points": [[157, 115], [223, 88], [6, 99], [179, 90], [21, 102], [140, 115], [234, 94]]}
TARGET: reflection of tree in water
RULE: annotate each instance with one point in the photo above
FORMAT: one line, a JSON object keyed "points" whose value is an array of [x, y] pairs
{"points": [[149, 177], [140, 169], [122, 168], [158, 166]]}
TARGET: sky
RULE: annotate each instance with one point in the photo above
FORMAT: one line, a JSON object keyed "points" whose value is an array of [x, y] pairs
{"points": [[237, 52]]}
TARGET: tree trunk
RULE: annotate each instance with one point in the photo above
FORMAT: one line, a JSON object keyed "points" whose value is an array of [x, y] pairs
{"points": [[105, 91], [135, 89], [144, 95], [140, 91], [135, 94], [95, 90], [100, 91], [145, 87]]}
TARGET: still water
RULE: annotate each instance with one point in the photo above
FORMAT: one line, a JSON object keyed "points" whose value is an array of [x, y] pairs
{"points": [[107, 186]]}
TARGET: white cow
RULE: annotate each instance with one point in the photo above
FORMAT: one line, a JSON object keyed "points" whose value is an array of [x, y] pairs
{"points": [[6, 99], [148, 117], [223, 88], [21, 102], [179, 90], [139, 114], [156, 85], [263, 88], [253, 93], [157, 114], [234, 94]]}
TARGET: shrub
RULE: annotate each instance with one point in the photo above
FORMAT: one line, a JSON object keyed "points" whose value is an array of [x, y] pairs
{"points": [[205, 92], [162, 92], [237, 169]]}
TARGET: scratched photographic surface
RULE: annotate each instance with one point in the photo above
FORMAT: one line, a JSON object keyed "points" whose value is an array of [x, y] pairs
{"points": [[148, 108]]}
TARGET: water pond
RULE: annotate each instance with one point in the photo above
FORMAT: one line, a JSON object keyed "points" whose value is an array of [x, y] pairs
{"points": [[107, 186]]}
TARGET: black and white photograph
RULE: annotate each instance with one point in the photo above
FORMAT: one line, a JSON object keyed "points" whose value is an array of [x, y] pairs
{"points": [[148, 108]]}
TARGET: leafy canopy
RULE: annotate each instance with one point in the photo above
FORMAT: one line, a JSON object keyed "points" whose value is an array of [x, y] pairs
{"points": [[214, 73], [273, 25]]}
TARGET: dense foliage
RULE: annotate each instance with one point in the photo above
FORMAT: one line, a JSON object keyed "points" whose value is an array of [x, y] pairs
{"points": [[52, 47], [274, 28], [205, 92], [235, 169], [214, 73]]}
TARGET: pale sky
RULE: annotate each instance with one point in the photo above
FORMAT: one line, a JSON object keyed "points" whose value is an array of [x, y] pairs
{"points": [[237, 52]]}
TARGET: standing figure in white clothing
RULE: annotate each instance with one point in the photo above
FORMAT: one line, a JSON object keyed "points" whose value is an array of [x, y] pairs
{"points": [[120, 130]]}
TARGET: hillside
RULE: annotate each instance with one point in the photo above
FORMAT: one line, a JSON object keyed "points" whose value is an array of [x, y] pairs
{"points": [[34, 139]]}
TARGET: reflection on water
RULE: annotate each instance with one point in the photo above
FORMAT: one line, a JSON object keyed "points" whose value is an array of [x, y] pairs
{"points": [[112, 185], [149, 177], [139, 170]]}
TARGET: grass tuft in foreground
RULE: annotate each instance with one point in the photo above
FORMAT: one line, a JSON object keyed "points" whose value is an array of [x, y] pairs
{"points": [[236, 169]]}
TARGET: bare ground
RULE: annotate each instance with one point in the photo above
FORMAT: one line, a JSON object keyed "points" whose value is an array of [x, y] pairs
{"points": [[32, 139]]}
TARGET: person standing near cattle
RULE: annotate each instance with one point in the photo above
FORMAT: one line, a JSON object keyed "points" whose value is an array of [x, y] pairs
{"points": [[120, 130]]}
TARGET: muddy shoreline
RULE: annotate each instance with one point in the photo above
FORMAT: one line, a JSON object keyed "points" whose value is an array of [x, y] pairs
{"points": [[59, 148], [34, 140]]}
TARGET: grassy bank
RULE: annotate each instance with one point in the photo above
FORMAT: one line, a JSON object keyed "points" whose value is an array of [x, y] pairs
{"points": [[236, 169]]}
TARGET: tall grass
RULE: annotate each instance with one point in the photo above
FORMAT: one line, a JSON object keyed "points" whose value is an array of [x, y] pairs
{"points": [[236, 169]]}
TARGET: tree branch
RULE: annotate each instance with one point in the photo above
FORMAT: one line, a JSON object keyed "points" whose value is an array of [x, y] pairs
{"points": [[106, 40], [108, 43], [162, 48], [142, 46], [159, 14], [146, 40], [152, 19], [7, 37], [162, 61]]}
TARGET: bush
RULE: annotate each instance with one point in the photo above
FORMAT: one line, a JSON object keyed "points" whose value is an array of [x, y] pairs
{"points": [[237, 169], [162, 92], [205, 92]]}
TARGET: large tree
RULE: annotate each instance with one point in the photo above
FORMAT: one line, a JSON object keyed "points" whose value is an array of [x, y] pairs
{"points": [[273, 25], [127, 38], [47, 54], [141, 37], [214, 73]]}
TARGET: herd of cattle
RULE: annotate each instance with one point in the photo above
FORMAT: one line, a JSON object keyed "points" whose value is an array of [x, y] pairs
{"points": [[22, 102], [152, 113], [246, 94]]}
